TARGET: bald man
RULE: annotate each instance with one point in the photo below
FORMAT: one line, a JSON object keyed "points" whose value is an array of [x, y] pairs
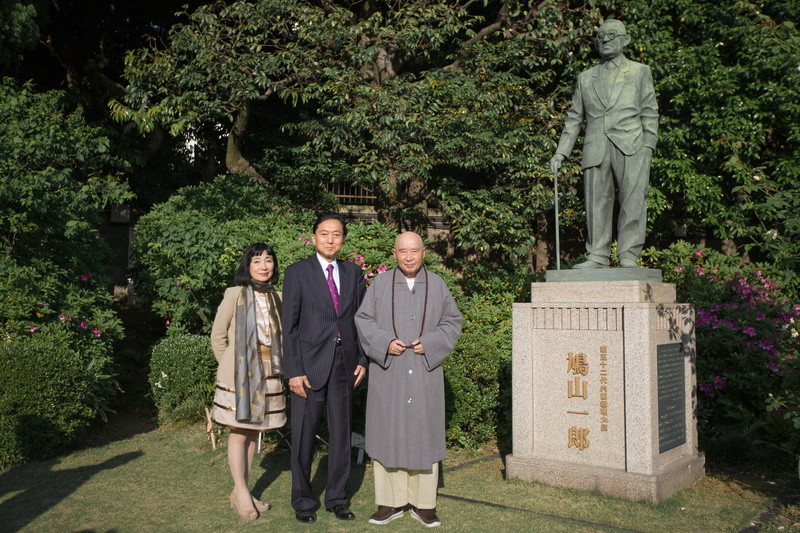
{"points": [[408, 324], [619, 103]]}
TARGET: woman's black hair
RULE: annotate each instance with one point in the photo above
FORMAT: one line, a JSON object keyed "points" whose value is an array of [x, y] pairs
{"points": [[242, 277]]}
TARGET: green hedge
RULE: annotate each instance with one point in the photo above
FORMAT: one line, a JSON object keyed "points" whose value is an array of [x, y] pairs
{"points": [[183, 373], [46, 399]]}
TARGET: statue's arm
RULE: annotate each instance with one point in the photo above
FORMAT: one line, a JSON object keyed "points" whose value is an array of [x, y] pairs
{"points": [[572, 126], [649, 107]]}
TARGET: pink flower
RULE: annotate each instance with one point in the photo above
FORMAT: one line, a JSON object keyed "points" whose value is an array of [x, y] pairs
{"points": [[82, 324], [41, 304], [750, 331], [700, 271], [96, 332], [719, 383], [381, 269], [62, 318], [33, 328], [699, 253], [86, 277], [679, 269], [305, 241]]}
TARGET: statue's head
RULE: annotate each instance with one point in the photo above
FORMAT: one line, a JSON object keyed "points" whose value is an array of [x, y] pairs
{"points": [[611, 39]]}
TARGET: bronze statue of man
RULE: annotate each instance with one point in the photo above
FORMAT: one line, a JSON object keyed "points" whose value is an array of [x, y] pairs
{"points": [[619, 103]]}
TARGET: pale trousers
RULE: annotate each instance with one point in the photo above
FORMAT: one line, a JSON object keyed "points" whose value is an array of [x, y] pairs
{"points": [[396, 487]]}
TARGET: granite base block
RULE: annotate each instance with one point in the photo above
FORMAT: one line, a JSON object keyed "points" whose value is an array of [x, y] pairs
{"points": [[653, 488]]}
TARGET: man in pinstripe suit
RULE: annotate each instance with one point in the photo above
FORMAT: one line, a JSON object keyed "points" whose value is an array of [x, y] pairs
{"points": [[323, 362]]}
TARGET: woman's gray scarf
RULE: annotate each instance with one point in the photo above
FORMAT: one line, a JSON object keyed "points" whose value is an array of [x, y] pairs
{"points": [[248, 376]]}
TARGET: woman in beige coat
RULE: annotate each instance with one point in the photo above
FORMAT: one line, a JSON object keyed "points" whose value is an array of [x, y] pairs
{"points": [[246, 339]]}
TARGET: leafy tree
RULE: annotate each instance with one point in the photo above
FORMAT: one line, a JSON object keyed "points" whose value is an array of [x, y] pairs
{"points": [[458, 105], [422, 102], [57, 175]]}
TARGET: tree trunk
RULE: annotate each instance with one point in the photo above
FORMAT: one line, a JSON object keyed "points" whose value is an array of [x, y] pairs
{"points": [[234, 160]]}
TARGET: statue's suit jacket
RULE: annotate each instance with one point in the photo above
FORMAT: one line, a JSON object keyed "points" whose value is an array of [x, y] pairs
{"points": [[628, 117], [310, 322]]}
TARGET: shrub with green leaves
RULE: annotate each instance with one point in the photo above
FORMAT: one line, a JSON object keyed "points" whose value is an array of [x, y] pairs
{"points": [[187, 249], [47, 399], [183, 373], [475, 371], [747, 353], [58, 174]]}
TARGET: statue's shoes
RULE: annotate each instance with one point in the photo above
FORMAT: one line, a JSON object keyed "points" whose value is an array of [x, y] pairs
{"points": [[627, 262], [589, 265]]}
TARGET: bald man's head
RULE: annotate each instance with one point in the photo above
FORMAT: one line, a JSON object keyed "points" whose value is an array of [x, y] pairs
{"points": [[409, 251]]}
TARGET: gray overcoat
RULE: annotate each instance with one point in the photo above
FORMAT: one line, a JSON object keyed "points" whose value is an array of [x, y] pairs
{"points": [[405, 397]]}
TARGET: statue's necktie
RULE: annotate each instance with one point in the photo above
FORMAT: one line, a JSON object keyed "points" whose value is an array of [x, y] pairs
{"points": [[332, 288]]}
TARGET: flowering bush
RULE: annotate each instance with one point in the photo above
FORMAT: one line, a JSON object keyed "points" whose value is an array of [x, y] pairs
{"points": [[747, 351]]}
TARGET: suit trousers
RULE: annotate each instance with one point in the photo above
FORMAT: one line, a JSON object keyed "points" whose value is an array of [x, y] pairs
{"points": [[632, 177], [306, 416]]}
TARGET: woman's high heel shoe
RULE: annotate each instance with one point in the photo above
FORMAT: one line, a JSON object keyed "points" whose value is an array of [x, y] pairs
{"points": [[244, 515], [260, 506]]}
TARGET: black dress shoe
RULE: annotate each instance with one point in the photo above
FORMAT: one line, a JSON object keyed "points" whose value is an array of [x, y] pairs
{"points": [[342, 512], [306, 515]]}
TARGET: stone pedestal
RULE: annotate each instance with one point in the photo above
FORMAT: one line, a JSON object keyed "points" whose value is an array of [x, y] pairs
{"points": [[604, 388]]}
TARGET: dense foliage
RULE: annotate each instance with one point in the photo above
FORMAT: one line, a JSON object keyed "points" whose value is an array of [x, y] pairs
{"points": [[183, 374], [457, 105], [47, 399], [188, 248], [748, 354], [58, 175]]}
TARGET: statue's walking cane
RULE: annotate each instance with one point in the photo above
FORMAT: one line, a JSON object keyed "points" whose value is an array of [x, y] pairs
{"points": [[558, 242]]}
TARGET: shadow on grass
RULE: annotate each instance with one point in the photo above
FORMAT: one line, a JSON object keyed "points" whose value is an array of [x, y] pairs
{"points": [[41, 486], [278, 461]]}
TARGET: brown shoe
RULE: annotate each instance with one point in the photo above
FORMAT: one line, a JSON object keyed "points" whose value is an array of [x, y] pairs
{"points": [[385, 514], [426, 517]]}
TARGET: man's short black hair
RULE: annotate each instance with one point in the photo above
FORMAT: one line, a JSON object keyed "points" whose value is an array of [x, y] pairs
{"points": [[322, 217]]}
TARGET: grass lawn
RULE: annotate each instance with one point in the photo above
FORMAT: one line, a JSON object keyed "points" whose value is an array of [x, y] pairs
{"points": [[167, 480]]}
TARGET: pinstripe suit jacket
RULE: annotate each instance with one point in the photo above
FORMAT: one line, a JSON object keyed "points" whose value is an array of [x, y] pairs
{"points": [[310, 323]]}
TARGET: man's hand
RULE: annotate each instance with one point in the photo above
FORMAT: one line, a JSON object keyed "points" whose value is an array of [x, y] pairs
{"points": [[418, 349], [299, 385], [359, 373], [396, 347], [555, 164]]}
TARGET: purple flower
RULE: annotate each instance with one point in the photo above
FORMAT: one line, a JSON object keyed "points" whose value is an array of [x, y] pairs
{"points": [[772, 366], [41, 304], [706, 388], [719, 383], [82, 324], [750, 330], [765, 345], [86, 277], [760, 316]]}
